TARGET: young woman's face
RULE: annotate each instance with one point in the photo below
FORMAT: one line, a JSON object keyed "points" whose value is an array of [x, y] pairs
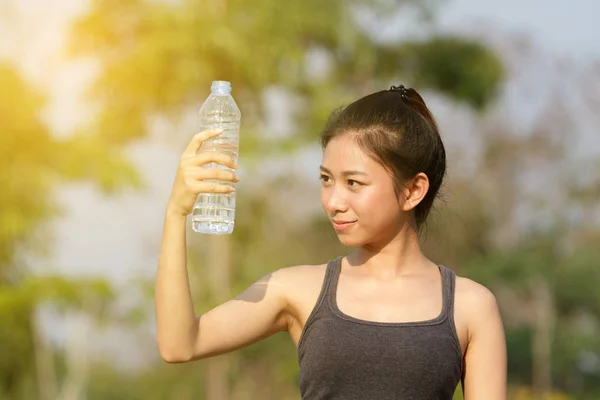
{"points": [[358, 194]]}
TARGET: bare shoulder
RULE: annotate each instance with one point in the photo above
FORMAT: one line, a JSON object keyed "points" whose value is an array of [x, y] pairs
{"points": [[300, 286], [474, 291], [476, 305], [282, 284], [474, 296], [298, 276]]}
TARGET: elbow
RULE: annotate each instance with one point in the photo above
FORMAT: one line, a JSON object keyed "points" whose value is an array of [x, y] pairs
{"points": [[173, 358], [174, 354]]}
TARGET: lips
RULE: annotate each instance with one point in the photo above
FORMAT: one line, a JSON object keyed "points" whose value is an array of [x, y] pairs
{"points": [[341, 225]]}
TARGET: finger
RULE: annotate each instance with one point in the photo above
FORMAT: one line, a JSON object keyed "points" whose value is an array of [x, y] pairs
{"points": [[212, 187], [203, 174], [207, 157], [199, 138]]}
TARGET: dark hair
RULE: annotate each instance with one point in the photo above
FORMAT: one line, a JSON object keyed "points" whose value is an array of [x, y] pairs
{"points": [[396, 129]]}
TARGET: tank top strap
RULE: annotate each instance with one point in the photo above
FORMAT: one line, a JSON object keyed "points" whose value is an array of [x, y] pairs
{"points": [[324, 295], [448, 289], [329, 281], [334, 267]]}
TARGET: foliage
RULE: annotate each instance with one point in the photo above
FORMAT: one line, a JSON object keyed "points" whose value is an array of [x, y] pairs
{"points": [[32, 164], [159, 57]]}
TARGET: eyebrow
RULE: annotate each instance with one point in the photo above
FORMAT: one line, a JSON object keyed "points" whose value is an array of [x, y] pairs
{"points": [[344, 173]]}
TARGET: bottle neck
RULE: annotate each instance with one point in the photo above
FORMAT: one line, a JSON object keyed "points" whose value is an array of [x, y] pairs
{"points": [[220, 90]]}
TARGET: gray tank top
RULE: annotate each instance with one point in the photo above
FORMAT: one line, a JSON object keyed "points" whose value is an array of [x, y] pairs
{"points": [[342, 357]]}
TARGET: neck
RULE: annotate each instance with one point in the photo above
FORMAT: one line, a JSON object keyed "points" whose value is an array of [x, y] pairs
{"points": [[398, 256]]}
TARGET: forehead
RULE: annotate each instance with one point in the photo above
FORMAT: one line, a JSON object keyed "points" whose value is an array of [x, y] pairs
{"points": [[343, 153]]}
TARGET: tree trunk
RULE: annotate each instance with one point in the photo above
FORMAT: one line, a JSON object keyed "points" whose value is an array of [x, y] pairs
{"points": [[44, 362], [543, 326], [217, 368], [77, 364]]}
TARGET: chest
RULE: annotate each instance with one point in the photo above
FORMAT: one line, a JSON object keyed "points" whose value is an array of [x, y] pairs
{"points": [[417, 300], [396, 301]]}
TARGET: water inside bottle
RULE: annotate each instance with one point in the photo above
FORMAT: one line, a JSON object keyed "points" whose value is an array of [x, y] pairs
{"points": [[215, 213]]}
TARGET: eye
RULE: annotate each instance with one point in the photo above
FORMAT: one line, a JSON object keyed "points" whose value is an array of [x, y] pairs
{"points": [[324, 178], [353, 183]]}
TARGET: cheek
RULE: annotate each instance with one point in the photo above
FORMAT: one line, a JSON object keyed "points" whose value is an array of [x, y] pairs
{"points": [[324, 197], [377, 205]]}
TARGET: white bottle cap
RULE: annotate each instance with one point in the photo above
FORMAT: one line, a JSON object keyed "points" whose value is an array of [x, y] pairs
{"points": [[222, 87]]}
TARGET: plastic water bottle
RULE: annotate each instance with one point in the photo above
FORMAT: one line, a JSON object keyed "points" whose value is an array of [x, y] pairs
{"points": [[215, 213]]}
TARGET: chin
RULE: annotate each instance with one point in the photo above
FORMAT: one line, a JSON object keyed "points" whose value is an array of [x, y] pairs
{"points": [[351, 240]]}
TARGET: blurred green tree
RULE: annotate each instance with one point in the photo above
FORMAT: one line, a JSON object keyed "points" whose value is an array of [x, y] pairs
{"points": [[32, 164]]}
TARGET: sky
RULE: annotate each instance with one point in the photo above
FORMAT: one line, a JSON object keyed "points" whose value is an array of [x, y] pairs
{"points": [[119, 237], [566, 28]]}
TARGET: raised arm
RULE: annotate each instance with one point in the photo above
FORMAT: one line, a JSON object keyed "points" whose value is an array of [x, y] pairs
{"points": [[485, 359], [255, 314]]}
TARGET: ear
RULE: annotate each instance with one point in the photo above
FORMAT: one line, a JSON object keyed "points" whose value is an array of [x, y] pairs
{"points": [[414, 191]]}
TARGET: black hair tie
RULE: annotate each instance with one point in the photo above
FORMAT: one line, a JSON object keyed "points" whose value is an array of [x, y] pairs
{"points": [[403, 91]]}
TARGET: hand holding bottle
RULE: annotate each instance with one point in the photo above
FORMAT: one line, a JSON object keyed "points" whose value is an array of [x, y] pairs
{"points": [[192, 178]]}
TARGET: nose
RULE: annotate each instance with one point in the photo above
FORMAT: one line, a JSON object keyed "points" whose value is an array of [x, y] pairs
{"points": [[334, 201]]}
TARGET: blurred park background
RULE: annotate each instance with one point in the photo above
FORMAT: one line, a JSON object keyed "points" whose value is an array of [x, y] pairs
{"points": [[99, 97]]}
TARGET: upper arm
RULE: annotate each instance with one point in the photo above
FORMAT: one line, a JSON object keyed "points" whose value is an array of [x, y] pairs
{"points": [[257, 313], [485, 358]]}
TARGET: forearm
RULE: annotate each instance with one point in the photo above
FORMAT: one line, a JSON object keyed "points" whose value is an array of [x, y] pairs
{"points": [[177, 328]]}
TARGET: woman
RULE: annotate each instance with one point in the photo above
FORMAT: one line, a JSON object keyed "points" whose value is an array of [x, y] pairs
{"points": [[383, 322]]}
